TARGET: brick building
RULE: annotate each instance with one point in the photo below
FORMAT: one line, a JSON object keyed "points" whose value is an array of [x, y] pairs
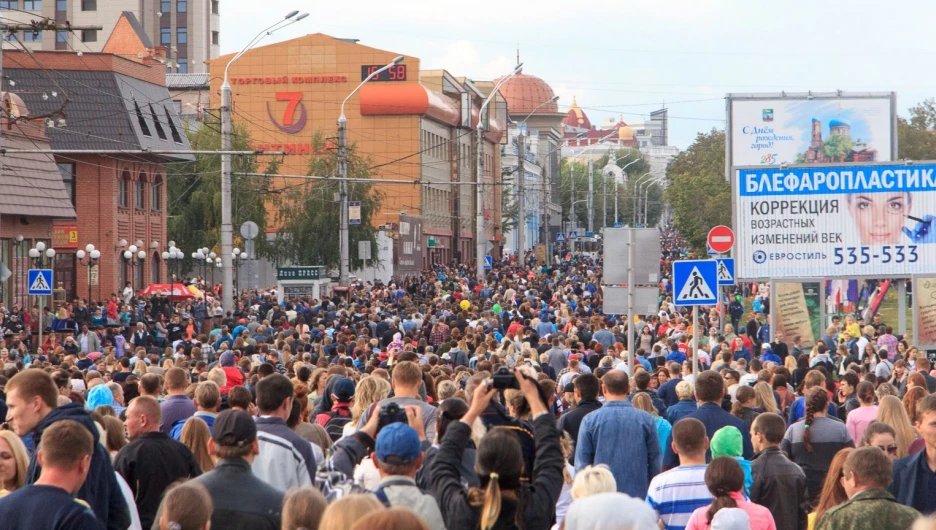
{"points": [[101, 104]]}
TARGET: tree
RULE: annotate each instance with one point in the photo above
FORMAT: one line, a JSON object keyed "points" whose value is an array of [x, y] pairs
{"points": [[307, 213], [194, 193], [838, 146], [698, 191], [603, 183], [915, 137]]}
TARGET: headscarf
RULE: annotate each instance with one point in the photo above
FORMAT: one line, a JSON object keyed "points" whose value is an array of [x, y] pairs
{"points": [[100, 395], [610, 511], [397, 342]]}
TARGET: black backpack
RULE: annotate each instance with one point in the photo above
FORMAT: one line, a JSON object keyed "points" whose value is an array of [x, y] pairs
{"points": [[336, 423]]}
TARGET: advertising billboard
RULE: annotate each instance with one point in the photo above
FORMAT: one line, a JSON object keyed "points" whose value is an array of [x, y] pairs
{"points": [[409, 247], [835, 221], [808, 128]]}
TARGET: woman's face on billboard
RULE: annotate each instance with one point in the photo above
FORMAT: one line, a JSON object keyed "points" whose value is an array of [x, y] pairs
{"points": [[879, 216]]}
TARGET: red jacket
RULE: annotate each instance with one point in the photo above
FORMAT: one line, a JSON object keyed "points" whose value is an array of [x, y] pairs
{"points": [[234, 378]]}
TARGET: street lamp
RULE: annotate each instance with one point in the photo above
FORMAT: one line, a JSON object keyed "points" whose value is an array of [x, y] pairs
{"points": [[239, 258], [134, 256], [345, 262], [173, 256], [656, 180], [479, 184], [636, 197], [227, 229], [89, 257]]}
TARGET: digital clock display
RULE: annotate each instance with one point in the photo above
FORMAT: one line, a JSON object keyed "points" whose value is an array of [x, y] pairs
{"points": [[396, 72]]}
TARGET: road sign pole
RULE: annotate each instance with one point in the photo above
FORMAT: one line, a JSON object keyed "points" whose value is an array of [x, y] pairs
{"points": [[39, 299], [695, 341], [631, 336]]}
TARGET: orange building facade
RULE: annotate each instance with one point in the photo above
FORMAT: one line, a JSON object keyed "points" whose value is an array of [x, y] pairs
{"points": [[413, 125]]}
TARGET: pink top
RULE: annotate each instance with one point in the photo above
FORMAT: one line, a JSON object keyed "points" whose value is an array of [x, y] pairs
{"points": [[760, 517], [859, 419]]}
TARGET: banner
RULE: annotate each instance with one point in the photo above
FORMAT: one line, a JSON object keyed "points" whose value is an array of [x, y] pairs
{"points": [[409, 247], [924, 312], [835, 221], [793, 318], [65, 236], [774, 129]]}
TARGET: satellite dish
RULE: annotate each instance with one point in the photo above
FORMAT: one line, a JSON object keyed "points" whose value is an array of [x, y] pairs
{"points": [[613, 170]]}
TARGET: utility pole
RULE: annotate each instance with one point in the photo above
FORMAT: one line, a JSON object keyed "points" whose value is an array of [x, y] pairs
{"points": [[604, 200], [591, 197], [345, 264], [521, 212], [572, 210]]}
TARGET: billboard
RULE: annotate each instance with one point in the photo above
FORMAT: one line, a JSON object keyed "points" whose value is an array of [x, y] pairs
{"points": [[409, 247], [807, 128], [835, 221], [924, 312]]}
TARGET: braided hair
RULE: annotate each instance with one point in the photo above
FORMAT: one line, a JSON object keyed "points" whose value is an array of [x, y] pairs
{"points": [[817, 400]]}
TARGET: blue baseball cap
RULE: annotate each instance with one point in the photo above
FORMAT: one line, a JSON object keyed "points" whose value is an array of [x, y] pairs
{"points": [[343, 389], [398, 443]]}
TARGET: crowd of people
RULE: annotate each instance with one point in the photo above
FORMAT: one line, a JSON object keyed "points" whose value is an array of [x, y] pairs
{"points": [[439, 401]]}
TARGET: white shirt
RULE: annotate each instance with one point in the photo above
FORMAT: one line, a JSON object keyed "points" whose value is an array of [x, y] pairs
{"points": [[127, 294]]}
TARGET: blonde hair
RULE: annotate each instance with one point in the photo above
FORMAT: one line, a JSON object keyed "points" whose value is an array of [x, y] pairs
{"points": [[303, 508], [195, 435], [395, 518], [19, 455], [218, 376], [643, 402], [765, 397], [892, 412], [369, 391], [685, 390], [591, 481], [343, 513]]}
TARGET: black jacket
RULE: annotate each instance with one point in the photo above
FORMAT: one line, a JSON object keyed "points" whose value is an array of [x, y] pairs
{"points": [[780, 486], [539, 497], [150, 464], [572, 420], [241, 500], [495, 415], [100, 489]]}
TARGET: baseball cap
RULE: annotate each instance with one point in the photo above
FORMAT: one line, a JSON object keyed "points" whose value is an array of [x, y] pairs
{"points": [[570, 387], [397, 443], [343, 389], [234, 428]]}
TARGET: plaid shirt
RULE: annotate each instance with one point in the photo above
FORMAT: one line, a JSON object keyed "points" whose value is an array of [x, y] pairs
{"points": [[439, 334]]}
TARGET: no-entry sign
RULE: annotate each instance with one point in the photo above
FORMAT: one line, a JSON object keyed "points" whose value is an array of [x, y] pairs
{"points": [[721, 239]]}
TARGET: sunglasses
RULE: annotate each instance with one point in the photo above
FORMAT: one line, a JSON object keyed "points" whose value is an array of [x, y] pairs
{"points": [[889, 449]]}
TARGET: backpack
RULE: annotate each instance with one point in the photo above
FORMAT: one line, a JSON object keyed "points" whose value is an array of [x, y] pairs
{"points": [[336, 423]]}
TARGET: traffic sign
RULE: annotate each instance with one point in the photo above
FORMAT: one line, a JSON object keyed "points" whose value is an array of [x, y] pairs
{"points": [[573, 235], [721, 238], [695, 282], [618, 225], [710, 250], [354, 212], [725, 270], [560, 237], [589, 234], [487, 262], [39, 282]]}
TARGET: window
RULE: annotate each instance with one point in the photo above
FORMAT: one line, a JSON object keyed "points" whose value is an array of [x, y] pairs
{"points": [[172, 128], [155, 193], [154, 268], [183, 66], [61, 5], [89, 35], [143, 126], [159, 130], [165, 36], [68, 178], [214, 7], [32, 5], [89, 5], [164, 7], [9, 4], [32, 36], [139, 192], [215, 37], [123, 190], [182, 36], [61, 36], [181, 6]]}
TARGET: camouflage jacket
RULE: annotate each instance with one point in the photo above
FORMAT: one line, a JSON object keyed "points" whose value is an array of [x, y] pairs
{"points": [[869, 510]]}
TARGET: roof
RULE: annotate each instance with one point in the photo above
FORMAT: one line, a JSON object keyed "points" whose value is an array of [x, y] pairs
{"points": [[576, 117], [179, 81], [837, 123], [102, 111], [138, 29]]}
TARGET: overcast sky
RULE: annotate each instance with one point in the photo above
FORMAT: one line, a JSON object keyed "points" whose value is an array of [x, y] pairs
{"points": [[626, 57]]}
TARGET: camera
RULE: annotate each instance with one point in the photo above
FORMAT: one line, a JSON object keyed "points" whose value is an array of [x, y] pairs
{"points": [[504, 379], [391, 413]]}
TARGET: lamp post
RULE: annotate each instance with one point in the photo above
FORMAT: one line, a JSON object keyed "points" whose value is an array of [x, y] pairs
{"points": [[636, 197], [16, 268], [227, 229], [133, 255], [238, 258], [200, 257], [171, 257], [89, 257], [646, 207], [479, 196], [345, 262], [39, 253], [521, 178]]}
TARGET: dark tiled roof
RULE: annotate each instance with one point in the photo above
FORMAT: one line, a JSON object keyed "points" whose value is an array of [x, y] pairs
{"points": [[31, 183], [101, 112]]}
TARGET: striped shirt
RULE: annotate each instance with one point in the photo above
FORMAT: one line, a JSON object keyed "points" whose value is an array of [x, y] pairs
{"points": [[676, 493]]}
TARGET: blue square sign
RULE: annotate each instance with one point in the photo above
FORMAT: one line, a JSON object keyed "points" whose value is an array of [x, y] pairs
{"points": [[695, 282], [487, 262], [725, 270], [39, 282]]}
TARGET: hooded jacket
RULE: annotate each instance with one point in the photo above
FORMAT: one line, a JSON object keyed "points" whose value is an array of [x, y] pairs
{"points": [[100, 489]]}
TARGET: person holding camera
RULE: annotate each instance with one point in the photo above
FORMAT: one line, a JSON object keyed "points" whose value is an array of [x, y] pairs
{"points": [[502, 501]]}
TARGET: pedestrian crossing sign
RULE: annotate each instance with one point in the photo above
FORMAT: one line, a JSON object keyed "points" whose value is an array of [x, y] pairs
{"points": [[487, 262], [40, 282], [560, 237], [695, 282], [725, 270]]}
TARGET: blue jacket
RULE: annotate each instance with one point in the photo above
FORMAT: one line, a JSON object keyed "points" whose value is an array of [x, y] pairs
{"points": [[713, 417], [176, 431], [682, 408], [903, 485], [667, 392], [625, 439], [798, 410], [743, 353]]}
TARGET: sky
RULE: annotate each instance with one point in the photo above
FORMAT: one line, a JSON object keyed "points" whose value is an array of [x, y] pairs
{"points": [[626, 58]]}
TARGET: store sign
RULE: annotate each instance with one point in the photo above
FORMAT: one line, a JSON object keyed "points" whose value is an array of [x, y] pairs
{"points": [[842, 221], [288, 79], [64, 236], [290, 123], [300, 273]]}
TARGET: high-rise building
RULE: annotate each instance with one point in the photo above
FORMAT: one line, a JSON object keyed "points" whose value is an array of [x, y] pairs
{"points": [[188, 29]]}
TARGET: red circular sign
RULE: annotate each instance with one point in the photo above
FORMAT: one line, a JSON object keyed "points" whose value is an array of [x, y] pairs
{"points": [[721, 238]]}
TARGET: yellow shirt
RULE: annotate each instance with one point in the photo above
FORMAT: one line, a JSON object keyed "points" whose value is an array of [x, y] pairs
{"points": [[811, 521]]}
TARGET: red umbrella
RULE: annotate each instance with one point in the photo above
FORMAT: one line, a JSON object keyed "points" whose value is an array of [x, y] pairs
{"points": [[176, 291]]}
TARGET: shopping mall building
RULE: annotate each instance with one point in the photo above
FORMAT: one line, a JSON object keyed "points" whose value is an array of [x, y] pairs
{"points": [[412, 124]]}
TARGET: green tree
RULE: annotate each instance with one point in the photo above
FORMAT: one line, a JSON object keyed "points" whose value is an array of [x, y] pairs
{"points": [[698, 191], [194, 194], [838, 147], [915, 137], [307, 213]]}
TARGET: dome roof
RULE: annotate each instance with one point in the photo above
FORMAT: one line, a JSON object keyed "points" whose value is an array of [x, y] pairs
{"points": [[837, 123], [524, 93], [625, 132], [576, 117]]}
